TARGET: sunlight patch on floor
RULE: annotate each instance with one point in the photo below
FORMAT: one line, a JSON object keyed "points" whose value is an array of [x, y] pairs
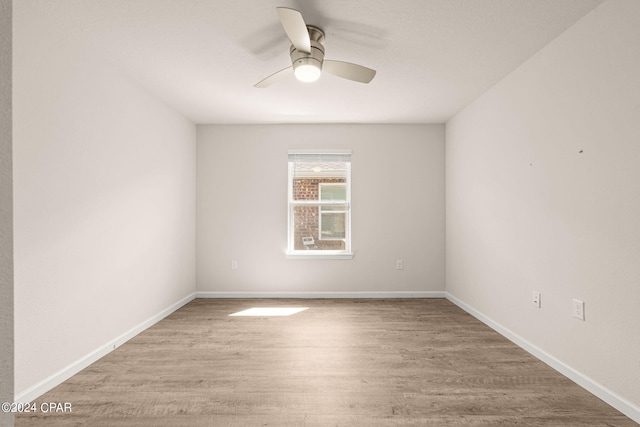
{"points": [[269, 311]]}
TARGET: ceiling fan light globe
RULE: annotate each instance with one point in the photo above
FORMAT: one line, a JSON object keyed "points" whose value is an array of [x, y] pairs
{"points": [[307, 72]]}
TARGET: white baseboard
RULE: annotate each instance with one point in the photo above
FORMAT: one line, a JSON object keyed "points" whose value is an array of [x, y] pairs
{"points": [[629, 409], [408, 294], [37, 390]]}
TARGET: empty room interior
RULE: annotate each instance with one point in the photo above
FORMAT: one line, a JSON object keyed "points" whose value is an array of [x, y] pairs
{"points": [[450, 212]]}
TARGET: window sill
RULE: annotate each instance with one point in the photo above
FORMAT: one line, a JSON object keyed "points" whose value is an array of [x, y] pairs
{"points": [[318, 255]]}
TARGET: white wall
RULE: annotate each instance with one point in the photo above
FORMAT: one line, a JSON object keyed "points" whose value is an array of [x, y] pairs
{"points": [[104, 199], [6, 215], [398, 209], [543, 193]]}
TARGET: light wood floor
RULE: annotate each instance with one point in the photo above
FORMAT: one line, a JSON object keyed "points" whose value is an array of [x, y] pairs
{"points": [[415, 362]]}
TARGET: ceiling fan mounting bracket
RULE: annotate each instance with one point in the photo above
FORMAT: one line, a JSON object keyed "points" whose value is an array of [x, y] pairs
{"points": [[315, 34]]}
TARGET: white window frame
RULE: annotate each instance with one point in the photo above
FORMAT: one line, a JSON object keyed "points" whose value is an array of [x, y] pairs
{"points": [[291, 252]]}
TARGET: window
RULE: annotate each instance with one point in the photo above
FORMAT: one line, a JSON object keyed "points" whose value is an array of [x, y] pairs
{"points": [[319, 204], [332, 218]]}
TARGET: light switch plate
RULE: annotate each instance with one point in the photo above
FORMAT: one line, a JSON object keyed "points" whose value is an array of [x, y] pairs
{"points": [[577, 307]]}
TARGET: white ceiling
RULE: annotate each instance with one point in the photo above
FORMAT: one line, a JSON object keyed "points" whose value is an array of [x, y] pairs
{"points": [[203, 57]]}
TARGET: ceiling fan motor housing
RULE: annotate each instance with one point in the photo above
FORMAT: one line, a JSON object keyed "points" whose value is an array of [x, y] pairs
{"points": [[316, 56]]}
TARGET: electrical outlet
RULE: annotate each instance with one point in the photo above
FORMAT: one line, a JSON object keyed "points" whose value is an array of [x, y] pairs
{"points": [[399, 264], [234, 265], [535, 299], [577, 308]]}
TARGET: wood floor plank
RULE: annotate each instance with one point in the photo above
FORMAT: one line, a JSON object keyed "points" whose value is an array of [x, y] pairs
{"points": [[414, 362]]}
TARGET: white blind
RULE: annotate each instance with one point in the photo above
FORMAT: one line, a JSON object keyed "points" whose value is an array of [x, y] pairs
{"points": [[320, 156], [319, 164]]}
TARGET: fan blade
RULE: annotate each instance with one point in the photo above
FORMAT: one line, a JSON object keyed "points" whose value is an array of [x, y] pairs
{"points": [[296, 29], [349, 71], [273, 78]]}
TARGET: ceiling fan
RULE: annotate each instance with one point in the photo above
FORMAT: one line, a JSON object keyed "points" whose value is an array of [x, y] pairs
{"points": [[307, 54]]}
